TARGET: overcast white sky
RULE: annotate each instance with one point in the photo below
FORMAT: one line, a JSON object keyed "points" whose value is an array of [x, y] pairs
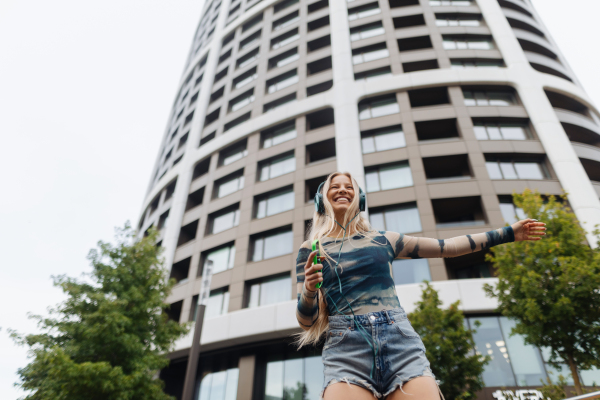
{"points": [[85, 92]]}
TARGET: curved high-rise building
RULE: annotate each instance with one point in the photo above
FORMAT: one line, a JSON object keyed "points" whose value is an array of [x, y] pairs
{"points": [[440, 109]]}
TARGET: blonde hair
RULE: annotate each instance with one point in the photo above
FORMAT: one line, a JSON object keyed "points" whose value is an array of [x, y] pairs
{"points": [[323, 225]]}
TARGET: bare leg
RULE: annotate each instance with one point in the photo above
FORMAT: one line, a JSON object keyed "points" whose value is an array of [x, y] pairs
{"points": [[421, 388], [345, 391]]}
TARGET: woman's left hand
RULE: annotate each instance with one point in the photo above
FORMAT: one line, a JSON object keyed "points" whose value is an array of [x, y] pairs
{"points": [[528, 229]]}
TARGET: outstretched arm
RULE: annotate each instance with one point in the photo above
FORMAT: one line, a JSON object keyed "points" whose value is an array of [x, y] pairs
{"points": [[419, 247]]}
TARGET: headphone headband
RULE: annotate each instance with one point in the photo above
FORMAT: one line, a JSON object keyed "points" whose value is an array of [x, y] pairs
{"points": [[320, 205]]}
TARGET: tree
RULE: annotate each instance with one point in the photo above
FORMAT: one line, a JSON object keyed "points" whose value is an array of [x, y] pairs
{"points": [[107, 339], [449, 346], [552, 287]]}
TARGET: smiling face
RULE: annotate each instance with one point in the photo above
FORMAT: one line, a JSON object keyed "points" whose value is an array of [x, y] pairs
{"points": [[340, 194]]}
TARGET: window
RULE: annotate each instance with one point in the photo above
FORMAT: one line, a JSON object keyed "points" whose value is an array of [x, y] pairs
{"points": [[458, 20], [217, 303], [410, 271], [409, 21], [402, 218], [388, 177], [467, 42], [282, 81], [220, 75], [274, 203], [252, 23], [378, 107], [212, 117], [241, 101], [180, 270], [450, 2], [234, 10], [230, 184], [285, 39], [279, 134], [510, 212], [369, 53], [295, 377], [250, 40], [383, 139], [363, 11], [194, 199], [501, 131], [476, 63], [283, 5], [420, 65], [222, 259], [277, 166], [317, 5], [321, 65], [224, 219], [458, 212], [272, 244], [245, 79], [188, 118], [233, 153], [428, 97], [373, 75], [489, 98], [187, 233], [415, 43], [235, 122], [286, 21], [319, 43], [319, 88], [279, 102], [222, 384], [247, 59], [508, 169], [317, 23], [366, 31], [270, 291], [320, 151], [284, 58]]}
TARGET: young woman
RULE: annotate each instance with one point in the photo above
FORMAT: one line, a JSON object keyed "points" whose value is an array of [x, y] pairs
{"points": [[371, 349]]}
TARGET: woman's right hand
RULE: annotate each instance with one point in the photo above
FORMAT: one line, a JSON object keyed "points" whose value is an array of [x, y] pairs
{"points": [[311, 276]]}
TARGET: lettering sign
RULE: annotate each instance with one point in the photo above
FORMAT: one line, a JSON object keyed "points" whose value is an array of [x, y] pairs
{"points": [[519, 395]]}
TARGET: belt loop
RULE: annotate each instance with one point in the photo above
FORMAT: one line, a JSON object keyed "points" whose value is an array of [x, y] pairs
{"points": [[388, 317]]}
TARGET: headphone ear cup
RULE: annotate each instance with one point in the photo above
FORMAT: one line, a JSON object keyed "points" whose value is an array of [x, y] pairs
{"points": [[362, 200], [319, 206]]}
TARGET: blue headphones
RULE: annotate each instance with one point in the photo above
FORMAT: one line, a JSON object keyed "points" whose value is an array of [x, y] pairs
{"points": [[320, 206]]}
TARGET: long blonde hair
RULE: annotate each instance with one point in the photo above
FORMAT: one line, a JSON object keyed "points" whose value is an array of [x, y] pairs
{"points": [[323, 225]]}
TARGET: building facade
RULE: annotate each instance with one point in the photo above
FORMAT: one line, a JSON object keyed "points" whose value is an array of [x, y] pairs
{"points": [[439, 108]]}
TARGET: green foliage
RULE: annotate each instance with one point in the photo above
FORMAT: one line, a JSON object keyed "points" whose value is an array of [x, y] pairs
{"points": [[449, 346], [552, 390], [551, 286], [107, 339]]}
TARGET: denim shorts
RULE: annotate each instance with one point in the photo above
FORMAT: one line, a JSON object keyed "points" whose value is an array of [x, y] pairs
{"points": [[347, 357]]}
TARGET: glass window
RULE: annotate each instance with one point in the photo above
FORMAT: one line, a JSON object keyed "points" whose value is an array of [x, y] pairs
{"points": [[245, 79], [515, 170], [388, 177], [241, 102], [219, 385], [563, 369], [280, 135], [282, 81], [250, 40], [363, 56], [285, 39], [217, 303], [277, 167], [410, 271], [225, 221], [297, 378], [511, 213], [489, 98], [525, 359], [378, 108], [456, 20], [460, 64], [247, 59], [275, 203], [272, 245], [401, 219], [387, 139], [233, 154], [270, 291], [287, 60], [462, 43], [364, 11], [230, 186], [222, 259], [489, 341], [501, 131], [373, 75], [366, 31], [286, 21], [590, 377], [449, 2]]}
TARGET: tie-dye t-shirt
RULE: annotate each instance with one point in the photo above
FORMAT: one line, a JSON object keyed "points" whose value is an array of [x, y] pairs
{"points": [[365, 268]]}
